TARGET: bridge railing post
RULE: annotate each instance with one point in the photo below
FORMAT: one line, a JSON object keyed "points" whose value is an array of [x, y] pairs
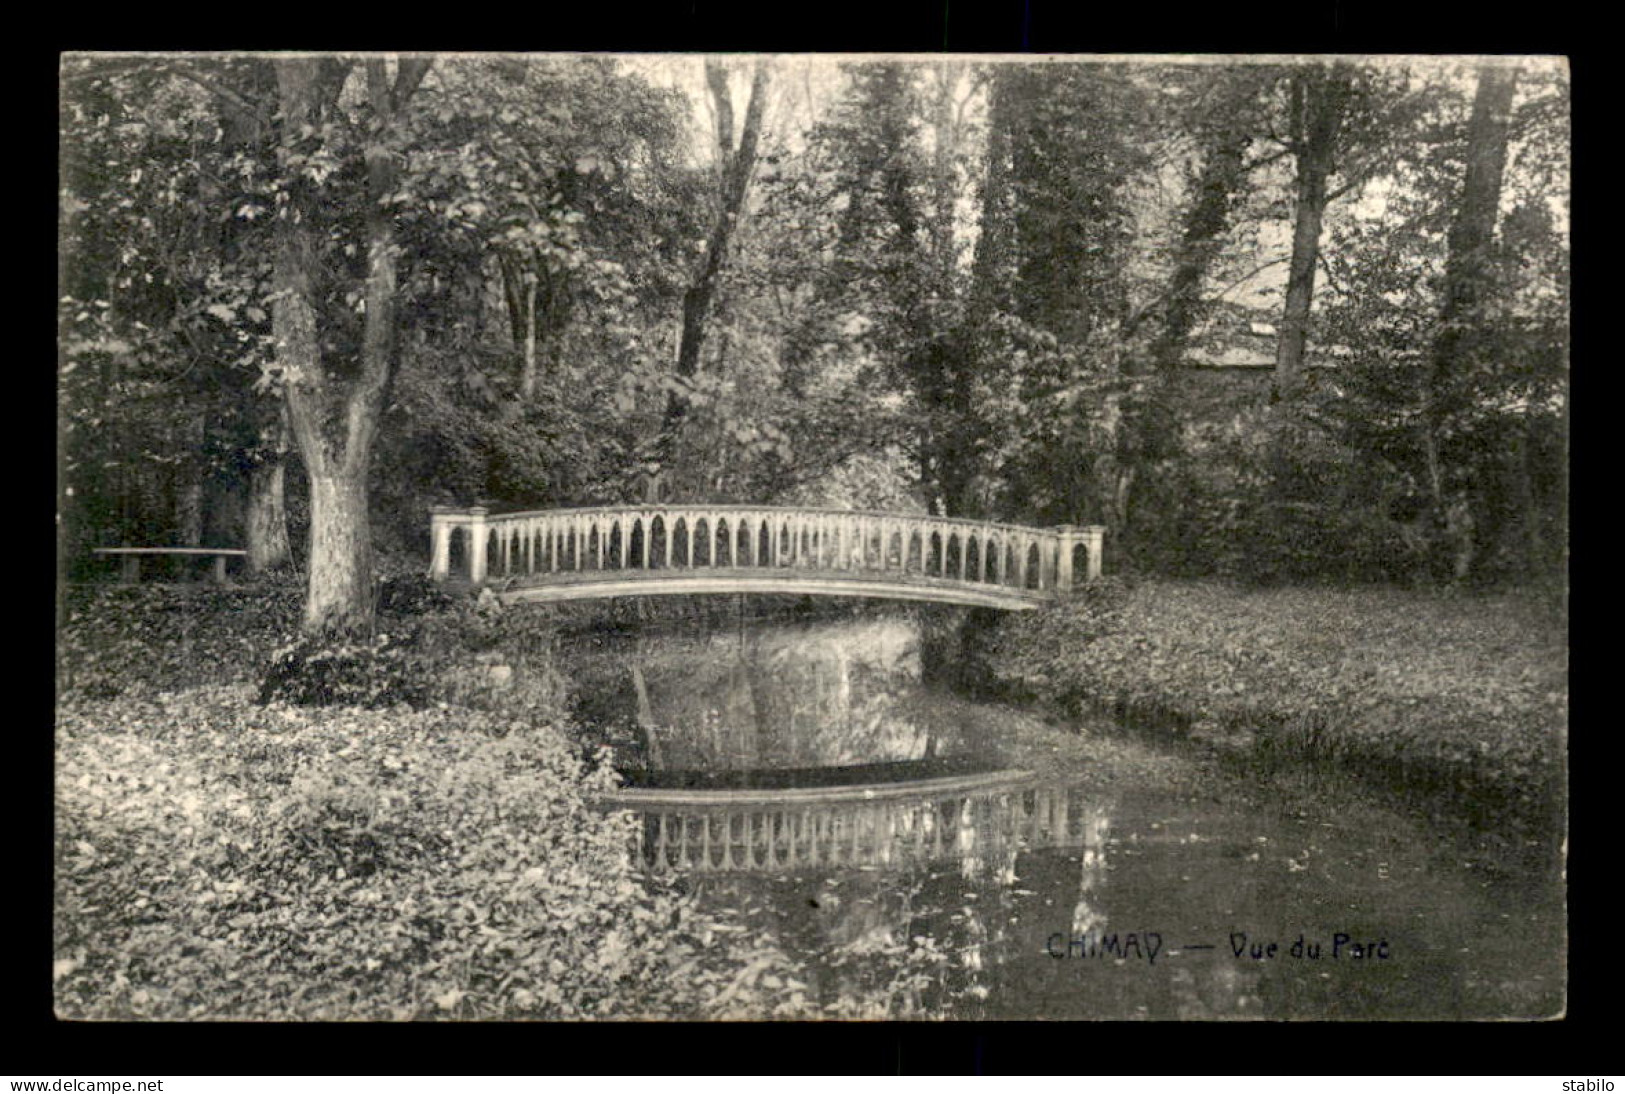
{"points": [[1094, 541], [1066, 537], [442, 519], [478, 533]]}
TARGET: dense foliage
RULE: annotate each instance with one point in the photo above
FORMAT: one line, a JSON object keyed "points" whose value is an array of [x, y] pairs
{"points": [[219, 859], [987, 289], [298, 842], [1466, 698]]}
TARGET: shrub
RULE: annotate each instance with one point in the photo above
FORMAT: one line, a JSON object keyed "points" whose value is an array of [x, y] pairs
{"points": [[415, 594], [462, 650], [380, 671], [222, 860], [141, 639]]}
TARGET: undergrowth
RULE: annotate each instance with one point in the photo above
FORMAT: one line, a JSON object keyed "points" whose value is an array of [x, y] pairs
{"points": [[1464, 697], [256, 825]]}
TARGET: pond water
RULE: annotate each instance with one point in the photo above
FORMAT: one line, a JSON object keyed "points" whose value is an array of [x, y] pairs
{"points": [[965, 859]]}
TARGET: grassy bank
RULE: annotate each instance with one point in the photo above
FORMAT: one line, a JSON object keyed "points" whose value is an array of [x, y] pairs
{"points": [[403, 829], [1463, 699]]}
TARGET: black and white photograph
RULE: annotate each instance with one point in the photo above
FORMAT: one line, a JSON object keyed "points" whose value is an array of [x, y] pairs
{"points": [[811, 537]]}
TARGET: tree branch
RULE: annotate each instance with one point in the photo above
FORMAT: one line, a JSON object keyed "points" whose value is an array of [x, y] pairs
{"points": [[103, 69], [409, 73], [1249, 275], [1326, 268], [1253, 165], [1352, 184], [224, 93]]}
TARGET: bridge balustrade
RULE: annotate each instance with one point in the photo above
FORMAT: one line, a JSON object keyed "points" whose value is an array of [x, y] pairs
{"points": [[972, 818], [533, 548]]}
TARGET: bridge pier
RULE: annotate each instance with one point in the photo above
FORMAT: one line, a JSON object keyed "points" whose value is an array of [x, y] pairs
{"points": [[441, 522], [1093, 538]]}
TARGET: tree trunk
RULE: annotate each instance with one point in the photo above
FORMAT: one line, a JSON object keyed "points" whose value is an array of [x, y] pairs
{"points": [[945, 129], [1466, 277], [189, 492], [267, 545], [335, 427], [266, 525], [1534, 544], [947, 388], [189, 505], [1318, 101], [736, 170], [989, 276], [340, 581], [1152, 426], [1215, 190], [527, 375]]}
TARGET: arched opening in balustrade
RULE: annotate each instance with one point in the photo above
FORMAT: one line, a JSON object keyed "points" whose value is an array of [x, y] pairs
{"points": [[914, 559], [636, 542], [1035, 568], [592, 547], [953, 555], [457, 550], [973, 559], [747, 543], [895, 557], [658, 542], [700, 547], [493, 551], [682, 543], [723, 545], [538, 547], [1080, 563]]}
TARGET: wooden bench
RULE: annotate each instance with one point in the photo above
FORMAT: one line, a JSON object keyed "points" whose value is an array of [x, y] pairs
{"points": [[132, 558]]}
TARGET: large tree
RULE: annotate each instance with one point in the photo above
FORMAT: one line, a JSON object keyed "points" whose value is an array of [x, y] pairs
{"points": [[735, 163], [334, 406], [1075, 138], [1468, 276], [1318, 99]]}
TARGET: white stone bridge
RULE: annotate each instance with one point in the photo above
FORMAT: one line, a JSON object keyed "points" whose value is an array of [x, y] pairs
{"points": [[650, 550]]}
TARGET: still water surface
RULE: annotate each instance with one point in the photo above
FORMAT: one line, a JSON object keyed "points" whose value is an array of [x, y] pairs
{"points": [[832, 801]]}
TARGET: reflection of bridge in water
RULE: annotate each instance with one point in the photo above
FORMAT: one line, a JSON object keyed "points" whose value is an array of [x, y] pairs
{"points": [[971, 818], [643, 550]]}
